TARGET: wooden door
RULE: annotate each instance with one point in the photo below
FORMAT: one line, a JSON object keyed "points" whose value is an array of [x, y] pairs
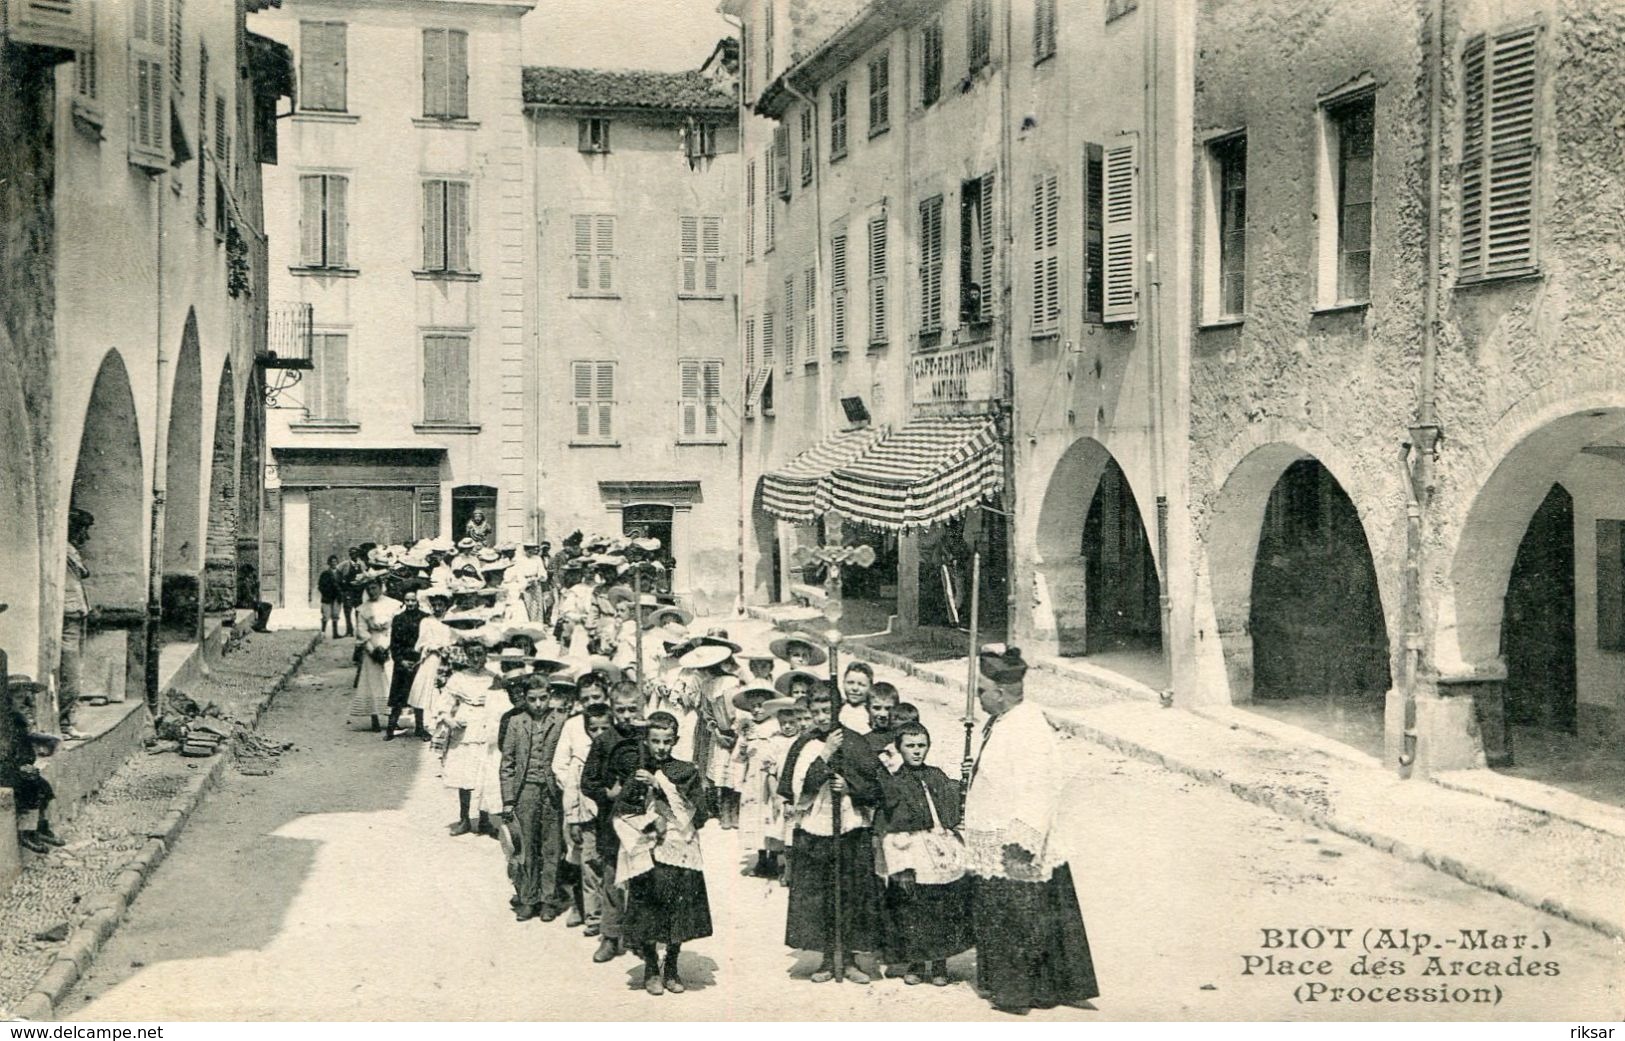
{"points": [[345, 517]]}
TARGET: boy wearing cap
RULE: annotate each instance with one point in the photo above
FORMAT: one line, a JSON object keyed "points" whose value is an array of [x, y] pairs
{"points": [[600, 784], [757, 727]]}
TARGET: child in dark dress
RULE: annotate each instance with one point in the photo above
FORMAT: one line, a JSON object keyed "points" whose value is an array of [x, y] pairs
{"points": [[927, 907], [657, 817]]}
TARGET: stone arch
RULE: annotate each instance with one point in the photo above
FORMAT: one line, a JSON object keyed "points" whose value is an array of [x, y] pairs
{"points": [[20, 575], [183, 557], [1236, 530], [1062, 589], [1524, 454], [107, 481], [220, 539]]}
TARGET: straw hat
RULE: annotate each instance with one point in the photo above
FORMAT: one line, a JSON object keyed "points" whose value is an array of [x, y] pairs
{"points": [[548, 665], [704, 655], [466, 544], [486, 554], [466, 620], [663, 615], [601, 665], [756, 691], [777, 705], [720, 641], [782, 684], [781, 648]]}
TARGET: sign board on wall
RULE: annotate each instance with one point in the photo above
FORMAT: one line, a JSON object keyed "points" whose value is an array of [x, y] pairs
{"points": [[962, 374]]}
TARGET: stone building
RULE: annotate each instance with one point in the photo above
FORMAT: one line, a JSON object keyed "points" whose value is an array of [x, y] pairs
{"points": [[635, 354], [1364, 344], [399, 216], [134, 268]]}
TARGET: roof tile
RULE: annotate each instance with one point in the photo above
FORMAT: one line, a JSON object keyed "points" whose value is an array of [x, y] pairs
{"points": [[623, 89]]}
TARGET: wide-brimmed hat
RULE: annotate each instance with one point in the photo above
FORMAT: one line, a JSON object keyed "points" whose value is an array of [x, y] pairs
{"points": [[548, 665], [18, 682], [561, 681], [601, 665], [486, 554], [704, 656], [785, 704], [491, 566], [745, 695], [663, 615], [465, 544], [720, 641], [815, 653], [534, 630], [434, 593], [466, 620], [414, 560], [672, 634], [782, 684]]}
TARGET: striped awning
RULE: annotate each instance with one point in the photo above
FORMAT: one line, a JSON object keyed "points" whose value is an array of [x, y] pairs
{"points": [[788, 492], [926, 472]]}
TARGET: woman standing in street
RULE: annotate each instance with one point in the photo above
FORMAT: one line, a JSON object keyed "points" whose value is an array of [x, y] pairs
{"points": [[372, 621]]}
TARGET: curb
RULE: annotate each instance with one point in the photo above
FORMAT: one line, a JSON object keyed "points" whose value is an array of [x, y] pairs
{"points": [[107, 908], [1260, 795]]}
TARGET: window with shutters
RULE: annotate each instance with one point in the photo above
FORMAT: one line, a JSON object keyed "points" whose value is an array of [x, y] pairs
{"points": [[770, 224], [593, 399], [592, 136], [699, 257], [445, 74], [879, 95], [1094, 233], [879, 304], [323, 224], [177, 41], [594, 257], [327, 388], [979, 34], [323, 66], [781, 158], [1224, 254], [1344, 194], [767, 43], [837, 293], [1046, 263], [85, 73], [931, 62], [222, 135], [750, 211], [789, 325], [1500, 89], [700, 405], [1043, 29], [446, 376], [977, 243], [808, 146], [837, 121], [699, 142], [149, 85], [769, 348], [750, 345], [809, 315], [446, 225], [930, 236], [1120, 278]]}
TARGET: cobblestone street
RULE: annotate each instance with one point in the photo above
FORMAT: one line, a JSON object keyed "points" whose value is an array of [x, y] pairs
{"points": [[329, 890]]}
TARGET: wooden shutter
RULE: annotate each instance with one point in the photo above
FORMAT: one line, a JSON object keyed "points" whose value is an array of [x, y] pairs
{"points": [[338, 220], [1499, 149], [750, 347], [688, 249], [750, 210], [711, 254], [149, 87], [581, 392], [584, 258], [434, 225], [1120, 213], [931, 265], [984, 268], [434, 72], [445, 378], [177, 38], [789, 324], [711, 395], [311, 220], [222, 151], [931, 63], [1046, 254], [334, 377], [877, 280], [604, 248], [809, 309], [769, 348], [689, 401], [806, 146], [1044, 29], [322, 66], [64, 24], [456, 74], [604, 392], [837, 292], [781, 160], [457, 226], [1094, 232]]}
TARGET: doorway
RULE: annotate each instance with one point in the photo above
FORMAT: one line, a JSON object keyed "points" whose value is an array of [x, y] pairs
{"points": [[653, 520]]}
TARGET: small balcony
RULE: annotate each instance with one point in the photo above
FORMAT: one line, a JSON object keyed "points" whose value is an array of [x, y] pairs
{"points": [[287, 336]]}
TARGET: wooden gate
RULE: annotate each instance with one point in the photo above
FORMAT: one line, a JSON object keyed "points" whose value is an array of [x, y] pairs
{"points": [[345, 517]]}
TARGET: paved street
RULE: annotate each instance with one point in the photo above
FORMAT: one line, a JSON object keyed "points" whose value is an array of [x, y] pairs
{"points": [[330, 890]]}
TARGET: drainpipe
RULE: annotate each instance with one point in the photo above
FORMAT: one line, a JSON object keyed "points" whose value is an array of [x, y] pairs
{"points": [[1422, 450], [160, 466], [1150, 226], [741, 524], [1007, 361]]}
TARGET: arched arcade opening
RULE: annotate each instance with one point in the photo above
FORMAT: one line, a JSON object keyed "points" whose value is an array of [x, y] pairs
{"points": [[220, 541], [183, 554]]}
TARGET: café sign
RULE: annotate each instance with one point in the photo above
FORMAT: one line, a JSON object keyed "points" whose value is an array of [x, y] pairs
{"points": [[963, 374]]}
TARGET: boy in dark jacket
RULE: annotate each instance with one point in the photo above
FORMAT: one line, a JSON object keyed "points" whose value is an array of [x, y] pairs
{"points": [[601, 783], [19, 770]]}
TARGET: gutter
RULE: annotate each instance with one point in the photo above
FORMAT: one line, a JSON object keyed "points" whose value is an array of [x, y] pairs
{"points": [[160, 470], [741, 513]]}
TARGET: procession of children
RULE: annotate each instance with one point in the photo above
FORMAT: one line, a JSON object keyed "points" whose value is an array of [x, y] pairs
{"points": [[588, 729]]}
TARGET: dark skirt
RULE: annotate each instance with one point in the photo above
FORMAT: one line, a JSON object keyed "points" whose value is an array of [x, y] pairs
{"points": [[666, 904], [400, 685], [32, 792], [926, 923], [1030, 945], [809, 925]]}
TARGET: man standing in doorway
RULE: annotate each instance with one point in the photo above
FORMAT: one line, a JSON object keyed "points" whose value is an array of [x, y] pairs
{"points": [[349, 571], [1031, 949], [478, 528], [76, 618]]}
